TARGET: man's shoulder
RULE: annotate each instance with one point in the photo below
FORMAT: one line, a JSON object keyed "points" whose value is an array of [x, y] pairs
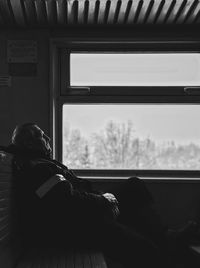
{"points": [[40, 169], [41, 162], [45, 164]]}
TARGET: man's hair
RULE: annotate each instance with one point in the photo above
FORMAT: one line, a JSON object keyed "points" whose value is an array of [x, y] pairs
{"points": [[23, 133]]}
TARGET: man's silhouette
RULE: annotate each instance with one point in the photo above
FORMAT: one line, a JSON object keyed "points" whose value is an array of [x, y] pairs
{"points": [[57, 208]]}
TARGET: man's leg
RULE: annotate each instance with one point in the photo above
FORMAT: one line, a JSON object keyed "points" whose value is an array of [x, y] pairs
{"points": [[137, 211], [131, 249]]}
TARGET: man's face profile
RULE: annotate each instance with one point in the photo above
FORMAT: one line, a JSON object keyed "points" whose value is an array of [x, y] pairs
{"points": [[42, 139], [32, 138]]}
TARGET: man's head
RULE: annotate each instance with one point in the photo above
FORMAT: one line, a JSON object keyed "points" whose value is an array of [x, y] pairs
{"points": [[31, 138]]}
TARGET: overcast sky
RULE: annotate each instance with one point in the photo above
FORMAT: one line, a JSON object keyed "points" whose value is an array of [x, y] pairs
{"points": [[134, 69], [159, 122]]}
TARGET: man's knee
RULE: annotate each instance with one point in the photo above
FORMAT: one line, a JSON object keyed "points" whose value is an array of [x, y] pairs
{"points": [[135, 180], [137, 187]]}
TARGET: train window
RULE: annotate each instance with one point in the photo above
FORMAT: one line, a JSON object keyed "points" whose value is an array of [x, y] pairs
{"points": [[126, 112], [128, 69], [136, 136]]}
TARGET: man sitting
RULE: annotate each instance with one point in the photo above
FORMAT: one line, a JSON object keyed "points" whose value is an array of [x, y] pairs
{"points": [[56, 208]]}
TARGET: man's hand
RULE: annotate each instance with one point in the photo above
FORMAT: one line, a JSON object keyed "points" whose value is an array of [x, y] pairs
{"points": [[111, 198], [114, 203]]}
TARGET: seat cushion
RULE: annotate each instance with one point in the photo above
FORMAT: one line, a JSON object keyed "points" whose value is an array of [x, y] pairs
{"points": [[63, 258]]}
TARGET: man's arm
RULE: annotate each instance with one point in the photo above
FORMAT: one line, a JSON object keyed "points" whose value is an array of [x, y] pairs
{"points": [[57, 190]]}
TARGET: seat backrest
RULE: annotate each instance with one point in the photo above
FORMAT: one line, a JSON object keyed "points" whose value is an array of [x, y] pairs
{"points": [[9, 248], [11, 253]]}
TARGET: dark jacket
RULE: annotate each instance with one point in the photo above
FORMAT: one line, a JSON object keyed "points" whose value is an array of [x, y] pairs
{"points": [[69, 212]]}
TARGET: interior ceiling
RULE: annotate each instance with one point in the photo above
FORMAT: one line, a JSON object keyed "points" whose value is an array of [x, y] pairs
{"points": [[40, 13]]}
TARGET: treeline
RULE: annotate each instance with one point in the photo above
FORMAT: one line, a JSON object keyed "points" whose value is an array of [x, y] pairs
{"points": [[117, 147]]}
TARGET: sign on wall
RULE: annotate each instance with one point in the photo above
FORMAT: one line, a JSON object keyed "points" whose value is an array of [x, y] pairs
{"points": [[22, 57], [21, 51]]}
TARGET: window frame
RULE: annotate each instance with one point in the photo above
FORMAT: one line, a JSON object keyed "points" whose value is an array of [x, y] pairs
{"points": [[62, 94]]}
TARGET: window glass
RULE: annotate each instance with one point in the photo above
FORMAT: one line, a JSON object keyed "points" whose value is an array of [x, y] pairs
{"points": [[129, 69], [131, 136]]}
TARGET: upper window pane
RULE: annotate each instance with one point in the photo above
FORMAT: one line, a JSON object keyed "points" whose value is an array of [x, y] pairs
{"points": [[128, 69]]}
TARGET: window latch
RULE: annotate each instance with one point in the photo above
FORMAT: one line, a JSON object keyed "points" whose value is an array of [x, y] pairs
{"points": [[192, 90], [78, 90]]}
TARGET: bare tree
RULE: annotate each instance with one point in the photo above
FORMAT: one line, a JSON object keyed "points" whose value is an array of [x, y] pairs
{"points": [[117, 147], [75, 149], [113, 147]]}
